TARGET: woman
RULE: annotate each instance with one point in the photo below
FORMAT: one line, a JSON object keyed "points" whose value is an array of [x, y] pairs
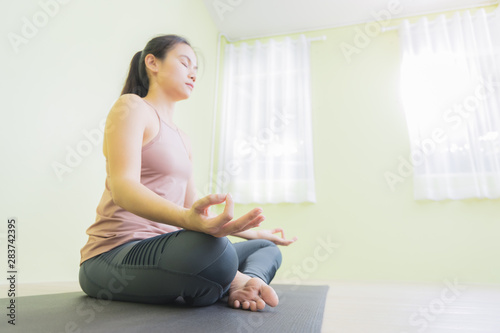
{"points": [[152, 241]]}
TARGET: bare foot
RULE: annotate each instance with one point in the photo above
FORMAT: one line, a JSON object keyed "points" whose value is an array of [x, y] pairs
{"points": [[251, 293]]}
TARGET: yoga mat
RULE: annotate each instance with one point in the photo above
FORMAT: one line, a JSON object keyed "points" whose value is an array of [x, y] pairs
{"points": [[300, 310]]}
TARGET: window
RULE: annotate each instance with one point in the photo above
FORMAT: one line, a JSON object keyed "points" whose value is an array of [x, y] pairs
{"points": [[450, 92], [265, 152]]}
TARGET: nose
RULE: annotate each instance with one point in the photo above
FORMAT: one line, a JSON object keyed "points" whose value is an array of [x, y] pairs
{"points": [[192, 76]]}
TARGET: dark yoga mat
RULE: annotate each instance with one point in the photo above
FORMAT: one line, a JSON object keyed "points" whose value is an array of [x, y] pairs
{"points": [[300, 310]]}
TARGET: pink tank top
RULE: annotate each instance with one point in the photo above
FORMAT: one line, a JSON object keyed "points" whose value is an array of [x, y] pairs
{"points": [[165, 169]]}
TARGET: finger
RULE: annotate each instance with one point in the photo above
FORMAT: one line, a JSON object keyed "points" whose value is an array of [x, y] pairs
{"points": [[202, 204], [228, 212], [222, 222], [231, 227], [216, 223], [276, 230], [254, 223], [286, 242], [247, 221], [283, 242]]}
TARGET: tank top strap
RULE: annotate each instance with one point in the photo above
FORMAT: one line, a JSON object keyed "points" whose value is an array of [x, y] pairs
{"points": [[159, 119], [175, 129]]}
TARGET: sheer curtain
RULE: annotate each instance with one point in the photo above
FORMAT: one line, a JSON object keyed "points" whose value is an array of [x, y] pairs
{"points": [[265, 150], [450, 91]]}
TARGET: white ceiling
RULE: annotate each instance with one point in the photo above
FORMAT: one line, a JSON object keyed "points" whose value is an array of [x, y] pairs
{"points": [[243, 19]]}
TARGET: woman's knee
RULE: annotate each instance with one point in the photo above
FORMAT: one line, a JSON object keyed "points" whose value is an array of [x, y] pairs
{"points": [[84, 282], [204, 255], [277, 254], [272, 250]]}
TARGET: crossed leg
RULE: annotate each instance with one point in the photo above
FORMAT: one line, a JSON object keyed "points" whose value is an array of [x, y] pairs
{"points": [[258, 261]]}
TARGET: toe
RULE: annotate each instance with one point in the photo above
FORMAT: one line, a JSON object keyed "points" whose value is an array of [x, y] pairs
{"points": [[269, 296], [253, 306], [261, 304]]}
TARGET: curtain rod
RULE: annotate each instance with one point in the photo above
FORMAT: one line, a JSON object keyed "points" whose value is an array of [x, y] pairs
{"points": [[310, 39], [396, 27]]}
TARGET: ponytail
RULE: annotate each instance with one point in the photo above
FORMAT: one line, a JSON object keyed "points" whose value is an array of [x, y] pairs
{"points": [[137, 81], [134, 84]]}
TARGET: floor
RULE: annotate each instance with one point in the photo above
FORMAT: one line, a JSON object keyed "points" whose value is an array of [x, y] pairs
{"points": [[446, 307], [357, 307]]}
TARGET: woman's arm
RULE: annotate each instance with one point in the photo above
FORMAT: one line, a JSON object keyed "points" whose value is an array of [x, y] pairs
{"points": [[191, 196], [248, 234], [125, 127], [266, 234], [124, 132]]}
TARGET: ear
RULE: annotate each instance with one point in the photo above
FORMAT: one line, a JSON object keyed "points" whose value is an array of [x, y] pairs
{"points": [[151, 63]]}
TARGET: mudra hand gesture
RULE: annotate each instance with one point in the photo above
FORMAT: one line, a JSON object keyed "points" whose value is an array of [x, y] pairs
{"points": [[202, 219]]}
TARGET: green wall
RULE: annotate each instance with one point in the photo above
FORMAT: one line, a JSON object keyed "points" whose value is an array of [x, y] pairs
{"points": [[60, 85], [372, 232], [65, 79]]}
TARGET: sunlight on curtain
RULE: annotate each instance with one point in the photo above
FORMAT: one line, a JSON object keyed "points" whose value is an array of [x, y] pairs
{"points": [[450, 90], [265, 150]]}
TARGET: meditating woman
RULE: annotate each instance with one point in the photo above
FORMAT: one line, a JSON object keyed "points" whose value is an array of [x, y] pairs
{"points": [[152, 240]]}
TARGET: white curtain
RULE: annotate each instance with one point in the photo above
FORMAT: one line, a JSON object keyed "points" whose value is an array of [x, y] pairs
{"points": [[265, 152], [450, 91]]}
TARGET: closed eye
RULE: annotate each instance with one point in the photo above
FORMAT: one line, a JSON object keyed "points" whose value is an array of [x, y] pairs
{"points": [[186, 61]]}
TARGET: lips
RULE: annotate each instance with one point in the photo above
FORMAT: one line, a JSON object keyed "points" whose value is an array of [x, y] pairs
{"points": [[190, 85]]}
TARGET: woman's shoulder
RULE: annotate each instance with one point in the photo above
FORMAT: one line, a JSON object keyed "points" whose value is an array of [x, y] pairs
{"points": [[128, 105], [132, 100]]}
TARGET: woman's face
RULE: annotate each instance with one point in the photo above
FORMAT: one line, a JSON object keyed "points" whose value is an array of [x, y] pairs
{"points": [[177, 72]]}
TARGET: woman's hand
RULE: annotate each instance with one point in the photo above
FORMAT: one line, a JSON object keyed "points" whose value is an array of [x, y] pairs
{"points": [[270, 235], [199, 217]]}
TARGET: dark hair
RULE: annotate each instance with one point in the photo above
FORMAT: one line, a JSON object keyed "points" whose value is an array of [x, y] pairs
{"points": [[137, 81]]}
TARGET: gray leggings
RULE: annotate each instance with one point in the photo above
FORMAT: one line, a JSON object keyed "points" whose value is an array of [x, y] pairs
{"points": [[196, 266]]}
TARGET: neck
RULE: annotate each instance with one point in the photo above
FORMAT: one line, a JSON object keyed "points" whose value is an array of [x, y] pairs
{"points": [[163, 104]]}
